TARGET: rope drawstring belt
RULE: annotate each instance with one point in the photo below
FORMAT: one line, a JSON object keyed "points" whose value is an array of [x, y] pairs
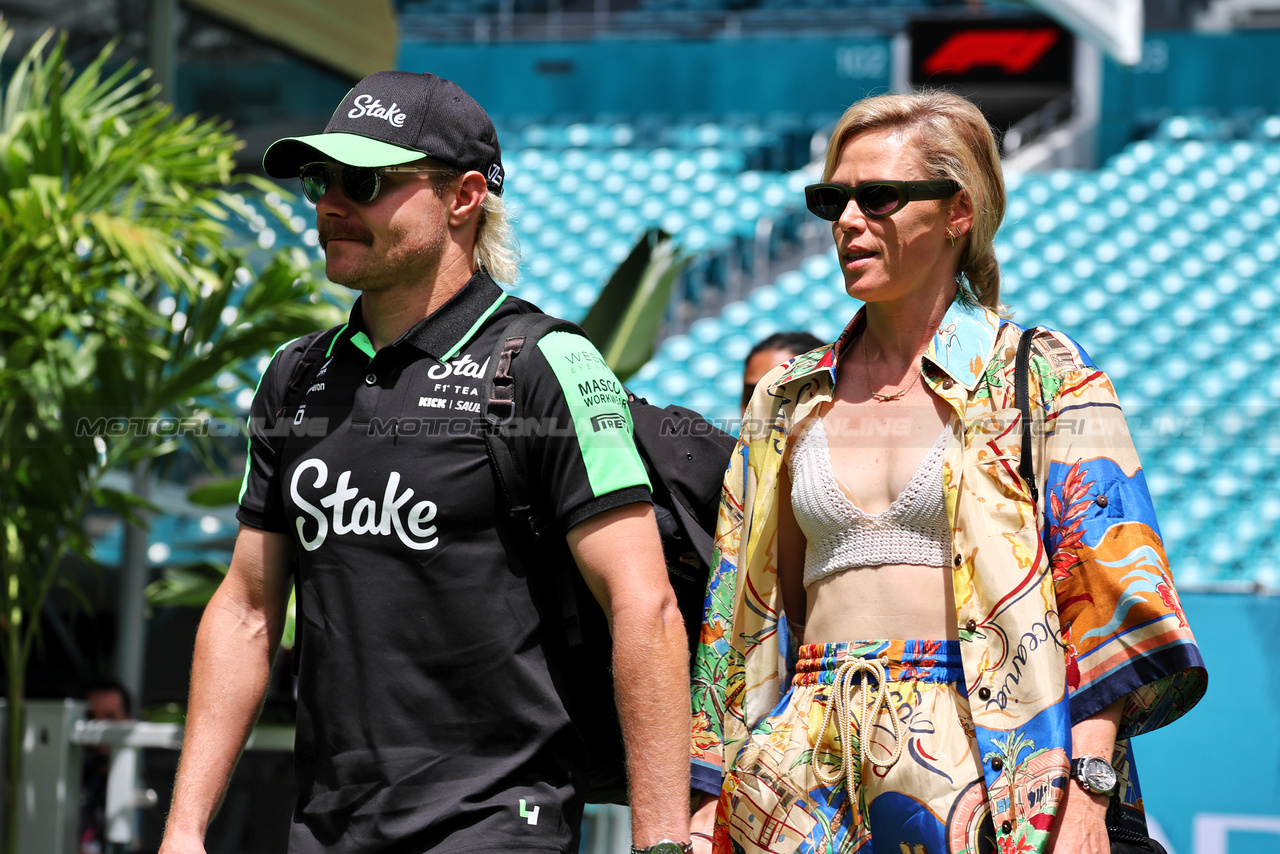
{"points": [[843, 687]]}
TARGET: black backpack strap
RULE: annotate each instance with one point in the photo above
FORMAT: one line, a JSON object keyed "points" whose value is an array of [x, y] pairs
{"points": [[1021, 381], [317, 347], [498, 392]]}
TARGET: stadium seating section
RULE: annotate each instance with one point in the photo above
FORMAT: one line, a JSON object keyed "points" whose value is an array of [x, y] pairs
{"points": [[1162, 264], [493, 7], [453, 19]]}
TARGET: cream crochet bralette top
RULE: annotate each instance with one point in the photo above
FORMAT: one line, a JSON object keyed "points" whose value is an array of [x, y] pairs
{"points": [[841, 536]]}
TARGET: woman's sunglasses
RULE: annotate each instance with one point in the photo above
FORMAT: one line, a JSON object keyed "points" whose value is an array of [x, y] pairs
{"points": [[360, 183], [877, 199]]}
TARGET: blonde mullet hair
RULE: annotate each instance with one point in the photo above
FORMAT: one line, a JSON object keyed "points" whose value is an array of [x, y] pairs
{"points": [[953, 140], [497, 252]]}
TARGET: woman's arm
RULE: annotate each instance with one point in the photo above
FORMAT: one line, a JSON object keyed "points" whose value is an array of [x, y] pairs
{"points": [[1082, 815]]}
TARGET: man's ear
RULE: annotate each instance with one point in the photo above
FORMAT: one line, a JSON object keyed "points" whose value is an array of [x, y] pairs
{"points": [[467, 198]]}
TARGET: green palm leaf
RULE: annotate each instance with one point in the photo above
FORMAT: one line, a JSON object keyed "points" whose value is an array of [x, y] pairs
{"points": [[121, 300]]}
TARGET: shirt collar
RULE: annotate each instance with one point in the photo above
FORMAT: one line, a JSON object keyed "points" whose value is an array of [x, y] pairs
{"points": [[960, 348], [448, 329]]}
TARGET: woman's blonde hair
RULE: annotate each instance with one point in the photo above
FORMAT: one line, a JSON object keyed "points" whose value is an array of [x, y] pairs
{"points": [[954, 141]]}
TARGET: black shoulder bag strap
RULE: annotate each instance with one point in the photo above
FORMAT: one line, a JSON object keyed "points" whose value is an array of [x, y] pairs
{"points": [[1021, 381], [317, 346], [499, 395], [300, 376]]}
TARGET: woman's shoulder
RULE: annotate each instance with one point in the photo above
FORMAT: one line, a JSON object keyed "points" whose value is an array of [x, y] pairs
{"points": [[1061, 353]]}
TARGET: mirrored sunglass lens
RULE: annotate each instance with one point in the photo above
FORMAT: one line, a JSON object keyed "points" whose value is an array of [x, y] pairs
{"points": [[827, 202], [360, 183], [315, 181], [879, 199]]}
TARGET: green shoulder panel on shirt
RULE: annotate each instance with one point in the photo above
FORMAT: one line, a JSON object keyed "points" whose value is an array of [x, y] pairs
{"points": [[598, 405]]}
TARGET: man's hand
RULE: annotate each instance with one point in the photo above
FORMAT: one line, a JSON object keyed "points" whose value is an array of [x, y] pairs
{"points": [[620, 556], [702, 825], [177, 843]]}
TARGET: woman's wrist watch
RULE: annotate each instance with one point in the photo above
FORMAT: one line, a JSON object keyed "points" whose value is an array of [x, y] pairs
{"points": [[665, 846], [1096, 775]]}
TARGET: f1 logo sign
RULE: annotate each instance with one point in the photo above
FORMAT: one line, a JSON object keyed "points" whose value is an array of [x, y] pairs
{"points": [[1013, 51]]}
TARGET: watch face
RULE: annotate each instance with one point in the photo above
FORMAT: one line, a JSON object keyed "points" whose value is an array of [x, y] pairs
{"points": [[1099, 776], [665, 848]]}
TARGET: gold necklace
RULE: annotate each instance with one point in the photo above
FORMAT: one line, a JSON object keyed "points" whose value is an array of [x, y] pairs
{"points": [[866, 363]]}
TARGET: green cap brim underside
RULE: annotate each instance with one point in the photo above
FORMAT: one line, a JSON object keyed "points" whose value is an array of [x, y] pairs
{"points": [[285, 157]]}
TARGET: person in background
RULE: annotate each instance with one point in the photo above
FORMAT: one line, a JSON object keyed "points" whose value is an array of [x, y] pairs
{"points": [[771, 352], [972, 660], [107, 700]]}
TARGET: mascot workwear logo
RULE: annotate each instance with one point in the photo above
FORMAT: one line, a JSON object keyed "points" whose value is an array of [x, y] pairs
{"points": [[346, 511], [367, 105]]}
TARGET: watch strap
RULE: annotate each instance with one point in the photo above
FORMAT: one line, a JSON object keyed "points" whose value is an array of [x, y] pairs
{"points": [[662, 846], [1078, 774]]}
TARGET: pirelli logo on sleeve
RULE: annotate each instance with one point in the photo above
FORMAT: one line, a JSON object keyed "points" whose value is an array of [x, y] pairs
{"points": [[598, 407], [608, 422]]}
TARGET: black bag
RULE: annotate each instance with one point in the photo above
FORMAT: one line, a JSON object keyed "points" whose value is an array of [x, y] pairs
{"points": [[1127, 829], [686, 458]]}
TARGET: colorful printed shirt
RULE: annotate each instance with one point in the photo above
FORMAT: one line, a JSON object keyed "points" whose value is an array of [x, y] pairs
{"points": [[1060, 612]]}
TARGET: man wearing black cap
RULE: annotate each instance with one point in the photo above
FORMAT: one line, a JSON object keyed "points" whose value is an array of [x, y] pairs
{"points": [[429, 701]]}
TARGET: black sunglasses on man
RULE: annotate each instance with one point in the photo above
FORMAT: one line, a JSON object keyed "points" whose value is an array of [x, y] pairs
{"points": [[361, 183]]}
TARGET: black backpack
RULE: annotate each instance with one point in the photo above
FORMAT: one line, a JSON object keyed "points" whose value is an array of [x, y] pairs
{"points": [[686, 458]]}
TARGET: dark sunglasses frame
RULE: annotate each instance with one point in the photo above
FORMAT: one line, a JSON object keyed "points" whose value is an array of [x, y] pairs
{"points": [[908, 191], [360, 183]]}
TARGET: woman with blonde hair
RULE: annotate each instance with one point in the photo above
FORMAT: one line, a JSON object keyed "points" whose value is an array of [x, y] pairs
{"points": [[969, 663]]}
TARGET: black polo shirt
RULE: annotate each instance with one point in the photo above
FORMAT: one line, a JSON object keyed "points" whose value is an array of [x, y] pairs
{"points": [[428, 715]]}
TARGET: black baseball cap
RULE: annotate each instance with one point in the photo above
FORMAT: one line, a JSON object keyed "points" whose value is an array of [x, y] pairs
{"points": [[396, 117]]}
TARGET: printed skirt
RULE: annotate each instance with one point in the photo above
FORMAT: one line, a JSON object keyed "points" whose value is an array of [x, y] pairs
{"points": [[871, 751]]}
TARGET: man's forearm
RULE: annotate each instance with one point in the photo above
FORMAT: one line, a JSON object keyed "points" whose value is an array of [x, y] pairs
{"points": [[620, 556], [229, 675], [651, 678]]}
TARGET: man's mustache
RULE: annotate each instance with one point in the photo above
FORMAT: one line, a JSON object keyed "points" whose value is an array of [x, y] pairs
{"points": [[336, 231]]}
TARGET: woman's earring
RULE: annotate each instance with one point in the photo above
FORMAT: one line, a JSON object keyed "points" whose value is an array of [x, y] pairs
{"points": [[951, 237]]}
